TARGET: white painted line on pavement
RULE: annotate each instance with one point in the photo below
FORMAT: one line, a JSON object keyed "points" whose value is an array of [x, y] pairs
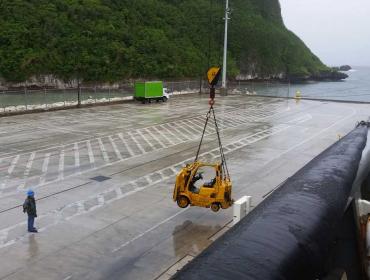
{"points": [[77, 156], [194, 123], [170, 132], [13, 164], [209, 130], [103, 150], [169, 140], [146, 139], [27, 170], [234, 120], [155, 138], [148, 231], [10, 171], [185, 135], [130, 151], [90, 152], [189, 127], [61, 165], [136, 142], [185, 127], [115, 147], [44, 169]]}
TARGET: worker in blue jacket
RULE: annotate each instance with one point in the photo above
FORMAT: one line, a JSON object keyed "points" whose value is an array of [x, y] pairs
{"points": [[29, 206]]}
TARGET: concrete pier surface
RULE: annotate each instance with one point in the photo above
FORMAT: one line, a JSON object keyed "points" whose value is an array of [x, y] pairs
{"points": [[104, 176]]}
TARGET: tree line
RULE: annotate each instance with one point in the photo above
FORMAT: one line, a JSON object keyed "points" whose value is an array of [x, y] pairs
{"points": [[114, 40]]}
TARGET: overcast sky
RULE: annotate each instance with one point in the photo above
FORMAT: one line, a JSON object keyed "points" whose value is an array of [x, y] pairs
{"points": [[338, 31]]}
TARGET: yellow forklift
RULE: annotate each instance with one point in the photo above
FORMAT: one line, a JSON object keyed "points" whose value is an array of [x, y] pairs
{"points": [[205, 184]]}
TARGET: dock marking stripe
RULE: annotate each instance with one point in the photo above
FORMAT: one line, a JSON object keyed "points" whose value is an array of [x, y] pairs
{"points": [[77, 155], [190, 127], [209, 130], [185, 135], [130, 151], [115, 148], [27, 170], [155, 138], [169, 140], [13, 164], [103, 150], [185, 127], [44, 169], [61, 165], [90, 152], [146, 139], [136, 142], [10, 171], [170, 132]]}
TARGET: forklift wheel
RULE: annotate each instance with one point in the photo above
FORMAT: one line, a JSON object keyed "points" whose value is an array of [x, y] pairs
{"points": [[215, 207], [183, 201]]}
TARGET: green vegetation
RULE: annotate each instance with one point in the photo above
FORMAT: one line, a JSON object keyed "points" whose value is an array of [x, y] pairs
{"points": [[111, 40]]}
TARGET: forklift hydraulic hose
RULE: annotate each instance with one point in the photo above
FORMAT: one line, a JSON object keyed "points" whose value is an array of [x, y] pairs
{"points": [[288, 235]]}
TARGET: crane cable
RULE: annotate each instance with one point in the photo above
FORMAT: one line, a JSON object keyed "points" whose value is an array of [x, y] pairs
{"points": [[225, 169]]}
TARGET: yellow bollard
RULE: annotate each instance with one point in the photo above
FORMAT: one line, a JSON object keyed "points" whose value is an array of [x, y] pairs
{"points": [[298, 95]]}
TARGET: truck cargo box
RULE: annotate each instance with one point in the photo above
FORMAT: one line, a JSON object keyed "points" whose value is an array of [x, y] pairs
{"points": [[147, 91]]}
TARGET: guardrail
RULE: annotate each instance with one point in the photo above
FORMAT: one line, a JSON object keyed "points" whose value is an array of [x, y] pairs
{"points": [[12, 101], [46, 99]]}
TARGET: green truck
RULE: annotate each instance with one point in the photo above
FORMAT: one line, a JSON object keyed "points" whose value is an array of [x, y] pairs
{"points": [[146, 92]]}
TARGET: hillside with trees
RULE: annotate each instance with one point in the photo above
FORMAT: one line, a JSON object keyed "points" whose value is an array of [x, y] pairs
{"points": [[114, 40]]}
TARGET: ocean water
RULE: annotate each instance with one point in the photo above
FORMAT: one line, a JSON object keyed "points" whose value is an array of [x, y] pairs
{"points": [[355, 88]]}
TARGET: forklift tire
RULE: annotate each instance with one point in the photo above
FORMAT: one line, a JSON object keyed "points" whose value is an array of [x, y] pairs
{"points": [[215, 207], [183, 201]]}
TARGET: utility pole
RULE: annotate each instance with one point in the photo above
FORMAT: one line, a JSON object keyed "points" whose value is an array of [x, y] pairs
{"points": [[224, 66], [78, 93]]}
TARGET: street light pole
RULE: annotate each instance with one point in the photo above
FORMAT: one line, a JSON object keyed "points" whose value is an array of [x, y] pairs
{"points": [[224, 66]]}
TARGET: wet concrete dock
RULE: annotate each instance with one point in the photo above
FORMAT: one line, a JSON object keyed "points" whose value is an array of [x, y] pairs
{"points": [[104, 176]]}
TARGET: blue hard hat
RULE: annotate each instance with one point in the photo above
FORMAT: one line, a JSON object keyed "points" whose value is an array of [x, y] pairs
{"points": [[30, 193]]}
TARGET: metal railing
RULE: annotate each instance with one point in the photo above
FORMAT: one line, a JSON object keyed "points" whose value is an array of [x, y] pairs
{"points": [[45, 99]]}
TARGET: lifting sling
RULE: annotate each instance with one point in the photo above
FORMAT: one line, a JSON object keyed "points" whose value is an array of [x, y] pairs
{"points": [[211, 113]]}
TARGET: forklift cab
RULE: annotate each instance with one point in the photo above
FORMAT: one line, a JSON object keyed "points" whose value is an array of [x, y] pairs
{"points": [[204, 177], [204, 185]]}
